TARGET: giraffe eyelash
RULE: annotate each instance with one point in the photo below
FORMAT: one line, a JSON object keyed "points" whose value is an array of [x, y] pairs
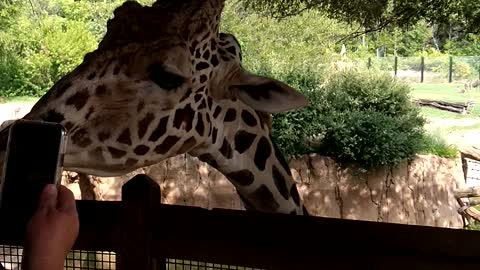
{"points": [[165, 79]]}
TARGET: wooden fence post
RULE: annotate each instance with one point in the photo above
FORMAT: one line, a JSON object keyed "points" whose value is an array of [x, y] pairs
{"points": [[450, 69], [422, 68], [140, 200], [395, 66]]}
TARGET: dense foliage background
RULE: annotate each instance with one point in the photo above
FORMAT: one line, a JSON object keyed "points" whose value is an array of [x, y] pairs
{"points": [[355, 116]]}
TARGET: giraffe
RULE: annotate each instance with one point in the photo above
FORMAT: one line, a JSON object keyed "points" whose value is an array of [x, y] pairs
{"points": [[164, 81]]}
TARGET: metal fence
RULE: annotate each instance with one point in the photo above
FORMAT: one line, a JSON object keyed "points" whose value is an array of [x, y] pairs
{"points": [[11, 257], [441, 69], [473, 173]]}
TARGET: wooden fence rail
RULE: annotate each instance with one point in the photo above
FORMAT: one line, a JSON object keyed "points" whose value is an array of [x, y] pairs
{"points": [[144, 233]]}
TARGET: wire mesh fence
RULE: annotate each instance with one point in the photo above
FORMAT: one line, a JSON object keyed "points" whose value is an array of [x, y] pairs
{"points": [[175, 264], [434, 69], [11, 258], [473, 173], [80, 259]]}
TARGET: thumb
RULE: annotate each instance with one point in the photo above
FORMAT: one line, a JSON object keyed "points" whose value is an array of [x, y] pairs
{"points": [[48, 198]]}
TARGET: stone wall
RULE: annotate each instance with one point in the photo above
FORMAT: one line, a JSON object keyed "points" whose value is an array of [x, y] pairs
{"points": [[419, 192]]}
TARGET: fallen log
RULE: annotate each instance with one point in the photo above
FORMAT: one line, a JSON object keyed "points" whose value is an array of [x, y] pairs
{"points": [[461, 108], [473, 213], [473, 201], [469, 151], [467, 192]]}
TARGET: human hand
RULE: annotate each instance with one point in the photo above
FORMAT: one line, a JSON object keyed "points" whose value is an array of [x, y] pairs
{"points": [[52, 231]]}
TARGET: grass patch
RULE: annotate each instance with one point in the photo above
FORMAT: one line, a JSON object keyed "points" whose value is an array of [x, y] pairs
{"points": [[429, 112], [463, 128], [435, 144], [19, 99], [449, 93]]}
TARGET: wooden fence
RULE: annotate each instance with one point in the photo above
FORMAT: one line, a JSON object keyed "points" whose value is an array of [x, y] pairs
{"points": [[147, 235]]}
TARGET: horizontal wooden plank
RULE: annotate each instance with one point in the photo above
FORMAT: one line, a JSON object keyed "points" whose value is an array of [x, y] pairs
{"points": [[234, 236], [274, 241]]}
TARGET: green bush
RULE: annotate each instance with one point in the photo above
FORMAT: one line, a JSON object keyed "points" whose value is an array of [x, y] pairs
{"points": [[355, 117]]}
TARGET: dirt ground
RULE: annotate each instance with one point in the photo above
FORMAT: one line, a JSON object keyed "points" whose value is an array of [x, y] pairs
{"points": [[455, 137], [10, 111]]}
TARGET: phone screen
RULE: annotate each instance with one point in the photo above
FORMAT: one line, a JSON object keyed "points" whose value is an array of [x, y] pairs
{"points": [[34, 158]]}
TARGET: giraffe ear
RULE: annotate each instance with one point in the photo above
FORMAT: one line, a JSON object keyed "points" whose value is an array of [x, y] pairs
{"points": [[266, 94]]}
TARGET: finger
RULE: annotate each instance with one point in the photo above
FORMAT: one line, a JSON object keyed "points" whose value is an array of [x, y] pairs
{"points": [[66, 200], [48, 198]]}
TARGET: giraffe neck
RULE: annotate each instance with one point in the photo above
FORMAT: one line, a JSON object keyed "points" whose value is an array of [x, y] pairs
{"points": [[252, 162]]}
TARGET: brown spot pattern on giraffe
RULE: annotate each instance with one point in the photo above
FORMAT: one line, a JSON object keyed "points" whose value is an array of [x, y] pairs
{"points": [[187, 94], [184, 115], [160, 130], [200, 127], [201, 66], [264, 199], [200, 90], [79, 99], [206, 55], [97, 153], [243, 177], [116, 70], [91, 76], [53, 116], [217, 111], [294, 194], [226, 149], [130, 162], [248, 118], [230, 116], [166, 145], [210, 102], [214, 60], [81, 138], [232, 50], [62, 89], [262, 153], [141, 150], [187, 145], [280, 157], [125, 137], [197, 97], [89, 113], [68, 125], [280, 182], [101, 90], [144, 124], [116, 153], [208, 158], [214, 135], [203, 105], [248, 205], [243, 141], [103, 136], [140, 106]]}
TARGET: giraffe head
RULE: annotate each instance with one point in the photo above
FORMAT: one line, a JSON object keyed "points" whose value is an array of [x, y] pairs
{"points": [[163, 82]]}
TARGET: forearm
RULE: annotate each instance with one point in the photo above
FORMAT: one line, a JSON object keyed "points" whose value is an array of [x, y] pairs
{"points": [[32, 261]]}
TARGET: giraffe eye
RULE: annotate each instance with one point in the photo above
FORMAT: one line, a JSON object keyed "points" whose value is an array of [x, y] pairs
{"points": [[163, 78]]}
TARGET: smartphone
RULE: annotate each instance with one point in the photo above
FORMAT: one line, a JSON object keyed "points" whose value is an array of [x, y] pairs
{"points": [[34, 158]]}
